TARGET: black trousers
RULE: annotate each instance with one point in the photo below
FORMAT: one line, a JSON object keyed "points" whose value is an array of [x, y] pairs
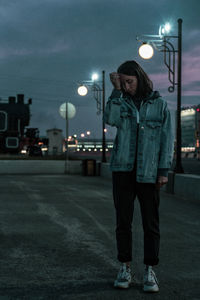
{"points": [[125, 190]]}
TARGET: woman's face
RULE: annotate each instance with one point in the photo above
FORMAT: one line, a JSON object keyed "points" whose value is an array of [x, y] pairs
{"points": [[129, 84]]}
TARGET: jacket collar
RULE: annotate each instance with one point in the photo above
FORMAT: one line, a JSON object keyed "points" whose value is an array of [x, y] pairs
{"points": [[150, 98]]}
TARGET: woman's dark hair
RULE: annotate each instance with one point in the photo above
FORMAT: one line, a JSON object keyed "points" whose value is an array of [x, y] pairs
{"points": [[131, 68]]}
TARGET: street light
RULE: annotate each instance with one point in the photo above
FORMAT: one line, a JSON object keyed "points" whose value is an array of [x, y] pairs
{"points": [[163, 29], [146, 51], [82, 90], [95, 76], [88, 133], [163, 44], [98, 88], [67, 111]]}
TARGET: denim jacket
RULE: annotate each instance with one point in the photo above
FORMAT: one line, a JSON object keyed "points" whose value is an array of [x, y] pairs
{"points": [[144, 138]]}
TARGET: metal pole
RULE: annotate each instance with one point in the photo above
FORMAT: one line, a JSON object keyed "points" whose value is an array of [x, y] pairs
{"points": [[103, 122], [66, 143], [178, 167]]}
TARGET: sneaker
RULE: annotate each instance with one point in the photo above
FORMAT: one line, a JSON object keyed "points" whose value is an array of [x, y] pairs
{"points": [[150, 280], [123, 277]]}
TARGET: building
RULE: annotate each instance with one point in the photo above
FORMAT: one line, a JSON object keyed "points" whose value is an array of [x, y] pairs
{"points": [[56, 140], [14, 117], [190, 125], [88, 145]]}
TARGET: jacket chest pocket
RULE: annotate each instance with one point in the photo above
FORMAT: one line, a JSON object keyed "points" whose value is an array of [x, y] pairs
{"points": [[126, 118], [153, 129]]}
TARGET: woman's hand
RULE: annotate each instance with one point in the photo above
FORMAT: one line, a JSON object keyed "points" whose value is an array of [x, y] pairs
{"points": [[115, 80], [161, 180]]}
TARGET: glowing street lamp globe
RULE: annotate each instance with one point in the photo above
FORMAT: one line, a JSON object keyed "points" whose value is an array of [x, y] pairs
{"points": [[71, 110], [163, 29], [146, 51], [95, 76], [82, 90], [167, 27]]}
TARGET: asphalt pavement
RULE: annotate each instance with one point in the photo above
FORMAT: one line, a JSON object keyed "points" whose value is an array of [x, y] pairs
{"points": [[57, 235]]}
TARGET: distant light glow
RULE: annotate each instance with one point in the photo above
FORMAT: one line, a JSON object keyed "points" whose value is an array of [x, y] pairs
{"points": [[167, 27], [163, 29], [88, 132], [82, 90], [82, 134], [188, 112], [187, 149], [95, 76], [146, 51]]}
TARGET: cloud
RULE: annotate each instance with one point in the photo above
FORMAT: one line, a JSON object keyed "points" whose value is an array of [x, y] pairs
{"points": [[191, 70], [49, 46], [190, 73]]}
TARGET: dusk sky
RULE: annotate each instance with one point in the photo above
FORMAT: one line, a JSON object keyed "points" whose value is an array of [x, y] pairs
{"points": [[49, 46]]}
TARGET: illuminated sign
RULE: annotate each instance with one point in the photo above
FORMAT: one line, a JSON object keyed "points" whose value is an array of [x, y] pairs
{"points": [[188, 112]]}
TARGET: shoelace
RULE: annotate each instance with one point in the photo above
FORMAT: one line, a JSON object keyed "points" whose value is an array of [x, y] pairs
{"points": [[150, 276], [123, 273]]}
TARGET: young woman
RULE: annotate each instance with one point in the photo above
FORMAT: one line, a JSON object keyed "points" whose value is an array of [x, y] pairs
{"points": [[141, 157]]}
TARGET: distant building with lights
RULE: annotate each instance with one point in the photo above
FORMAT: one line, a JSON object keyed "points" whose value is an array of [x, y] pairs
{"points": [[190, 128], [88, 145]]}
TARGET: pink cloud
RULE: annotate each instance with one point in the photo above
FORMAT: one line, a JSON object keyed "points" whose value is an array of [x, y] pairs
{"points": [[191, 66], [191, 93], [160, 79], [190, 74]]}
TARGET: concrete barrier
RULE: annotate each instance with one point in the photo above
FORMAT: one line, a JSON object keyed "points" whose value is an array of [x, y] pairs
{"points": [[184, 185], [169, 187], [105, 170], [39, 167], [187, 186]]}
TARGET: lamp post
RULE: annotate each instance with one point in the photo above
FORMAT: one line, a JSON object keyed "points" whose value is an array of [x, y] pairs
{"points": [[163, 44], [98, 88], [67, 111]]}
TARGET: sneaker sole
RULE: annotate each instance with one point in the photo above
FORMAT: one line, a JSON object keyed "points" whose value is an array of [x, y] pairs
{"points": [[151, 289], [121, 286]]}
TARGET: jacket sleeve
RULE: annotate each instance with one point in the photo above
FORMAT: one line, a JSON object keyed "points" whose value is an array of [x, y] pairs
{"points": [[166, 142], [112, 110]]}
